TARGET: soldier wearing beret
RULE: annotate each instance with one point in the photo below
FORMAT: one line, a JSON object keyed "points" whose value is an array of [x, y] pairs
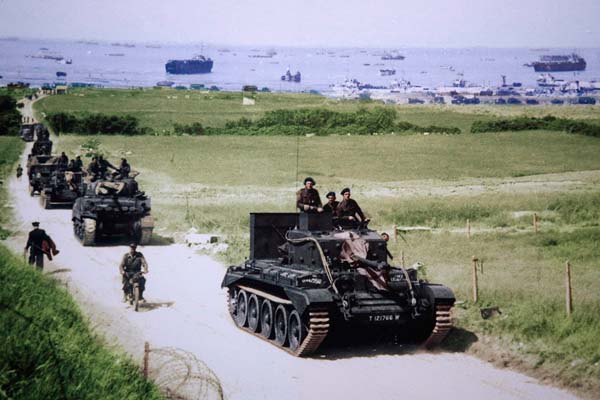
{"points": [[331, 204], [39, 244], [307, 198], [348, 209]]}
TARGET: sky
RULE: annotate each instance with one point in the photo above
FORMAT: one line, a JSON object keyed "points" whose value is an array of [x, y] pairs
{"points": [[311, 23]]}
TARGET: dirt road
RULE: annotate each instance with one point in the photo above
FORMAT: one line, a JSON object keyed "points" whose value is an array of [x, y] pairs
{"points": [[187, 310]]}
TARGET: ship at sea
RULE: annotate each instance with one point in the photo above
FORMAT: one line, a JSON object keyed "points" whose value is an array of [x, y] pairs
{"points": [[197, 65], [559, 63]]}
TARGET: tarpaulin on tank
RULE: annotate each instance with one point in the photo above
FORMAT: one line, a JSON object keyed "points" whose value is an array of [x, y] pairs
{"points": [[105, 188], [355, 247]]}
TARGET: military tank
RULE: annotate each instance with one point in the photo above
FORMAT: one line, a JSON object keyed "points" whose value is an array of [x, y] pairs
{"points": [[112, 207], [26, 132], [305, 279], [39, 171], [62, 189]]}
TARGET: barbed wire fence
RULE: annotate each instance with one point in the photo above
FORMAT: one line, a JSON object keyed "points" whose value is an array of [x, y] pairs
{"points": [[180, 374]]}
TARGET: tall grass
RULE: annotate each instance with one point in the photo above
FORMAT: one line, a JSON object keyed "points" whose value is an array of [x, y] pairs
{"points": [[47, 350], [10, 149]]}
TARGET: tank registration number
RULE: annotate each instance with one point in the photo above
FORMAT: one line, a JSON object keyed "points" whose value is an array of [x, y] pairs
{"points": [[383, 318]]}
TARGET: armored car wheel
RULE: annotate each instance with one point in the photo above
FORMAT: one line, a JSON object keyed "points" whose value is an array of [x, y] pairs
{"points": [[253, 313], [296, 330], [266, 319], [281, 325], [89, 232], [241, 314]]}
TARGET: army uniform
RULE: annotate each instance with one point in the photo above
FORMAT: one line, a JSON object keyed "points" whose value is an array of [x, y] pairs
{"points": [[77, 164], [309, 198], [125, 169], [94, 170], [35, 244], [331, 207], [349, 208], [131, 264]]}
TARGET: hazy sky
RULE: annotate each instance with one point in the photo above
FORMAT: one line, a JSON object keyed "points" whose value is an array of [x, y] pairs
{"points": [[378, 23]]}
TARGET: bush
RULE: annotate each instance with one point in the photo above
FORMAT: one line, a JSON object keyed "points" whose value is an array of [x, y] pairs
{"points": [[95, 124], [10, 119], [195, 128], [532, 123]]}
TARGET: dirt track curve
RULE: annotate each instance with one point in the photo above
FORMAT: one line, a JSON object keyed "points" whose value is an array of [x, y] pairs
{"points": [[187, 310]]}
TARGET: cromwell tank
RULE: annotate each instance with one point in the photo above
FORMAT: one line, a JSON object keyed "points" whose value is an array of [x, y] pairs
{"points": [[112, 208], [62, 189], [305, 280], [26, 132]]}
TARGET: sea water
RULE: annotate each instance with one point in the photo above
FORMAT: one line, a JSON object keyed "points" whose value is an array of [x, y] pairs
{"points": [[234, 66]]}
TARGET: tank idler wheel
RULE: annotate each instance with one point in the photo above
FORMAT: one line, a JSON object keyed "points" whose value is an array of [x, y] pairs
{"points": [[253, 313], [232, 303], [89, 232], [296, 330], [266, 319], [281, 325], [241, 316]]}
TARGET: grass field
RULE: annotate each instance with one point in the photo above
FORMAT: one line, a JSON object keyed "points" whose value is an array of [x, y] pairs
{"points": [[497, 181], [161, 108], [10, 149]]}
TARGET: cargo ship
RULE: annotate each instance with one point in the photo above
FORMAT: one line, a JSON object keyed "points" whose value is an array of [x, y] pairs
{"points": [[559, 63], [196, 65]]}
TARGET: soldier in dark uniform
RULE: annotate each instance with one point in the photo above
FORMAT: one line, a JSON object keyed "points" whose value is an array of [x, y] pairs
{"points": [[19, 171], [77, 164], [349, 210], [104, 166], [39, 244], [63, 160], [307, 198], [133, 262], [331, 204], [94, 169], [124, 169]]}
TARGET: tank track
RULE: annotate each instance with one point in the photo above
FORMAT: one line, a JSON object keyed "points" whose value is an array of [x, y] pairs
{"points": [[318, 324], [443, 324]]}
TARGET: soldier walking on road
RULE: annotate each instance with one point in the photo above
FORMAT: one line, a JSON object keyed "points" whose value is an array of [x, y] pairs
{"points": [[307, 198], [132, 263], [39, 244], [19, 171]]}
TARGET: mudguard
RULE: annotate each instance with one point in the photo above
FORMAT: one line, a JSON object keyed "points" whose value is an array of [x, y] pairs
{"points": [[439, 293], [305, 297]]}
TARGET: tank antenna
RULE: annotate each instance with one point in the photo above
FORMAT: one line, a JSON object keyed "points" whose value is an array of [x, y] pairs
{"points": [[297, 158]]}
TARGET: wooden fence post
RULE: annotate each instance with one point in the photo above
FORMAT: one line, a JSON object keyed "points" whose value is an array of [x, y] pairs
{"points": [[468, 228], [146, 356], [569, 295], [475, 283], [535, 222], [395, 228]]}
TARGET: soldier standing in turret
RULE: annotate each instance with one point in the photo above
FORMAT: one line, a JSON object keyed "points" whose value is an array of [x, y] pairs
{"points": [[331, 204], [307, 198], [348, 209]]}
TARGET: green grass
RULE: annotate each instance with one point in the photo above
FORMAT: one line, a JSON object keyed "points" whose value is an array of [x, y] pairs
{"points": [[47, 350], [10, 149], [160, 109]]}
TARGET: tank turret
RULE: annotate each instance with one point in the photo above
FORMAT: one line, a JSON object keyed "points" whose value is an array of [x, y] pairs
{"points": [[112, 207], [307, 277]]}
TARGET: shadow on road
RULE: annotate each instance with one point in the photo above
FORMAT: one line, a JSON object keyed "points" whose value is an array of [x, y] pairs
{"points": [[150, 306], [340, 346]]}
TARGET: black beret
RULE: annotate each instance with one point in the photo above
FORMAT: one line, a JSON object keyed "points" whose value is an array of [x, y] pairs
{"points": [[344, 190], [309, 179], [134, 245], [330, 194], [35, 223]]}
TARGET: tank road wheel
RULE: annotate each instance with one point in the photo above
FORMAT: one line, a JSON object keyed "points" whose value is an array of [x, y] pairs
{"points": [[89, 232], [253, 313], [266, 319], [296, 330], [242, 308], [281, 325], [146, 227]]}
